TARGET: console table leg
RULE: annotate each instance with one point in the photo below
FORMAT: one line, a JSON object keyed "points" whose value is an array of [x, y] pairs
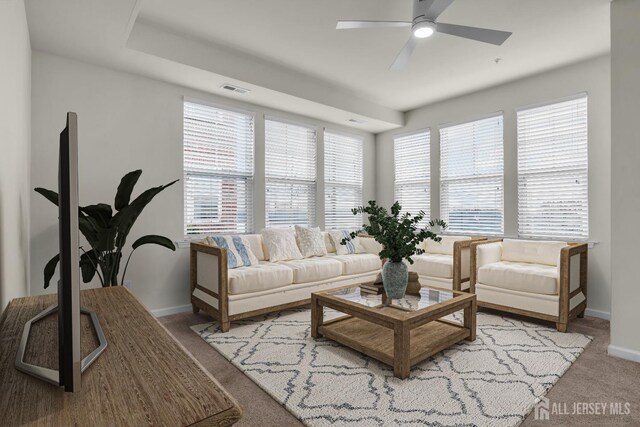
{"points": [[401, 351], [317, 317]]}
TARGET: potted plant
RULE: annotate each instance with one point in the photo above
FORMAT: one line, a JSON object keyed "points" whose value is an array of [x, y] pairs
{"points": [[399, 236], [107, 233]]}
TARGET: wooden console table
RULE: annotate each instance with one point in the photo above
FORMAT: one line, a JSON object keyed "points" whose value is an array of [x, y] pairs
{"points": [[144, 377]]}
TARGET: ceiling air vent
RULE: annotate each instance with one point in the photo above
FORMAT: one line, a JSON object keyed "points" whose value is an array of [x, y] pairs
{"points": [[358, 121], [233, 88]]}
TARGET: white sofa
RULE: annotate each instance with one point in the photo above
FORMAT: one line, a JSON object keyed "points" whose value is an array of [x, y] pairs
{"points": [[541, 279], [444, 264], [233, 294]]}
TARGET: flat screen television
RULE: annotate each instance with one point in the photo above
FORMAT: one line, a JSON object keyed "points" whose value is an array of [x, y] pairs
{"points": [[70, 362]]}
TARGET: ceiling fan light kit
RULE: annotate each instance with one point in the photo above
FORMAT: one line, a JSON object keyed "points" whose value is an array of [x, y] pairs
{"points": [[423, 25]]}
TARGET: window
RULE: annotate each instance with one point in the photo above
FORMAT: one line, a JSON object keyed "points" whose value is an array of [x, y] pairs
{"points": [[552, 170], [218, 170], [290, 173], [471, 176], [413, 172], [342, 180]]}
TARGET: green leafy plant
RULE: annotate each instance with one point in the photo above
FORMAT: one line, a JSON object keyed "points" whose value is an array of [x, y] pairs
{"points": [[398, 234], [107, 233]]}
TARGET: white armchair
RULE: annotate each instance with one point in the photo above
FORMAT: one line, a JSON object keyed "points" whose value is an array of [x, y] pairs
{"points": [[541, 279], [444, 264]]}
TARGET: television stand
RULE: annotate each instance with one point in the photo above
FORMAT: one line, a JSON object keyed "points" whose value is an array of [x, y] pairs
{"points": [[144, 378], [53, 375]]}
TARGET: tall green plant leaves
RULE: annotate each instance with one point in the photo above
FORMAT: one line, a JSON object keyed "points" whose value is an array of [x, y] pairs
{"points": [[128, 215], [127, 183]]}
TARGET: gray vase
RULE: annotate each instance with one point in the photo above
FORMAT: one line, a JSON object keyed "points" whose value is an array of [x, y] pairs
{"points": [[395, 276]]}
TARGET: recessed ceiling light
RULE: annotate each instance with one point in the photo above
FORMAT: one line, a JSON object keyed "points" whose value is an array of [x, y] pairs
{"points": [[423, 29]]}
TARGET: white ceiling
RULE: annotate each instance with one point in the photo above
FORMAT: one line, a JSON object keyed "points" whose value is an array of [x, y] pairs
{"points": [[289, 53]]}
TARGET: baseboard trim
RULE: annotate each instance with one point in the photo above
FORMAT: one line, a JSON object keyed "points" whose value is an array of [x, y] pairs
{"points": [[597, 313], [623, 353], [161, 312]]}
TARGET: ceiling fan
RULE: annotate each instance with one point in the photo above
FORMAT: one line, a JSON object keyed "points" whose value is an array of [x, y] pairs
{"points": [[425, 13]]}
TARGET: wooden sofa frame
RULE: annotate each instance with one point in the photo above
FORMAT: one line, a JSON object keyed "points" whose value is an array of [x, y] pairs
{"points": [[564, 293]]}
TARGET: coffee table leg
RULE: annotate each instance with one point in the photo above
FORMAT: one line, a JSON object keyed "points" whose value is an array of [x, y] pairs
{"points": [[317, 317], [401, 351], [470, 320]]}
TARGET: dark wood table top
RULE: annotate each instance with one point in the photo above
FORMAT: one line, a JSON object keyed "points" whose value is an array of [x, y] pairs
{"points": [[144, 377]]}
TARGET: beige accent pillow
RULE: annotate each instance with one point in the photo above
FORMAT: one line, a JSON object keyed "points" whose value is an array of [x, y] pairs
{"points": [[310, 241], [281, 244]]}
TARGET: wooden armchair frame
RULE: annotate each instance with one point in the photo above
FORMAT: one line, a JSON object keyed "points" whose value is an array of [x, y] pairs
{"points": [[458, 246], [564, 286]]}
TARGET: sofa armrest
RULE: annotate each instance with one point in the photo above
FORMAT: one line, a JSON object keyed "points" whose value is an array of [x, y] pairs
{"points": [[482, 253], [209, 275], [462, 261], [573, 268], [369, 244]]}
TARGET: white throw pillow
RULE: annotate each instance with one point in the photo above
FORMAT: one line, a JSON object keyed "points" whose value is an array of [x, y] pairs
{"points": [[281, 244], [239, 252], [310, 241], [352, 247]]}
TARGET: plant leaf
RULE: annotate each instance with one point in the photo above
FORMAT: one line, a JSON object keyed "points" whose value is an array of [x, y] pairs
{"points": [[51, 196], [101, 213], [50, 269], [88, 265], [125, 189], [125, 218], [154, 239]]}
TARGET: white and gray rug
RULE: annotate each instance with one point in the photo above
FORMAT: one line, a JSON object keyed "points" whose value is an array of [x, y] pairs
{"points": [[494, 381]]}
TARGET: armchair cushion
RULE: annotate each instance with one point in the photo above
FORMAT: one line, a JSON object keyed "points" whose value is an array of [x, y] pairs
{"points": [[520, 276], [433, 265], [444, 246], [537, 252]]}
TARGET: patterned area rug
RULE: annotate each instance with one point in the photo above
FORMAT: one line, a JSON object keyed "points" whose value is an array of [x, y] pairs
{"points": [[494, 381]]}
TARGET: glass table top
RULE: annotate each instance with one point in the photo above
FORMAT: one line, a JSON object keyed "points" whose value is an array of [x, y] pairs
{"points": [[411, 302]]}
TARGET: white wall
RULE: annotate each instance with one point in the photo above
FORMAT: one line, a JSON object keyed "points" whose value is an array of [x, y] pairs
{"points": [[15, 130], [592, 76], [127, 122], [625, 179]]}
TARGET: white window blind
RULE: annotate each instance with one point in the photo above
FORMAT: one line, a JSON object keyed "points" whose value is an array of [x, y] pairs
{"points": [[552, 170], [290, 172], [471, 176], [413, 172], [342, 180], [218, 170]]}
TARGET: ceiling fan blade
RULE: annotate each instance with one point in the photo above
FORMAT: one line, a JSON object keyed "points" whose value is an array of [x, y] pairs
{"points": [[350, 25], [436, 8], [480, 34], [403, 57]]}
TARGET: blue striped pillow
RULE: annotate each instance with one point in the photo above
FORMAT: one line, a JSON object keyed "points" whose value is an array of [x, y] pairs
{"points": [[238, 250]]}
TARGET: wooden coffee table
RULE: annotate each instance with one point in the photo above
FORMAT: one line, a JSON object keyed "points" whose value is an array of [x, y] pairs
{"points": [[400, 333]]}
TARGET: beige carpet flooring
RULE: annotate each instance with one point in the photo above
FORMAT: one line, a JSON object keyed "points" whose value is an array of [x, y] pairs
{"points": [[594, 378]]}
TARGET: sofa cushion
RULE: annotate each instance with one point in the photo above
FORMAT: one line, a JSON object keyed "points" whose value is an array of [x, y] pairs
{"points": [[536, 252], [281, 244], [520, 276], [358, 263], [434, 265], [313, 269], [310, 241], [444, 246], [261, 277]]}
